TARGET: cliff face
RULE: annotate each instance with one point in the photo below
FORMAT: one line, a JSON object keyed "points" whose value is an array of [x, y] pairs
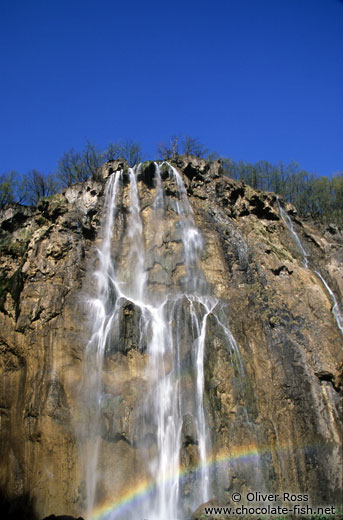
{"points": [[278, 398]]}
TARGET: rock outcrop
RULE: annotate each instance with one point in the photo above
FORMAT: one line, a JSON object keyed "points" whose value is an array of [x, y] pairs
{"points": [[279, 403]]}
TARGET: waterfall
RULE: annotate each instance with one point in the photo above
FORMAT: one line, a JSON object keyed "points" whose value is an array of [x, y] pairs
{"points": [[289, 224], [335, 307], [174, 303], [102, 316]]}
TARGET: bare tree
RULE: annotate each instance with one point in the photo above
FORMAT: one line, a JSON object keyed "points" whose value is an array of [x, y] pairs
{"points": [[79, 167], [191, 146], [169, 150], [131, 152], [175, 146], [69, 168], [128, 150], [7, 195], [91, 160], [112, 152], [164, 151], [36, 185]]}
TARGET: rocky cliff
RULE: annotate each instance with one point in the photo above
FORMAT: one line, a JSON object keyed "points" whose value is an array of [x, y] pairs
{"points": [[277, 400]]}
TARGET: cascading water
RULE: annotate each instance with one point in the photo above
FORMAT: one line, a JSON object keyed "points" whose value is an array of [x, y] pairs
{"points": [[172, 330], [102, 316], [335, 307], [289, 224]]}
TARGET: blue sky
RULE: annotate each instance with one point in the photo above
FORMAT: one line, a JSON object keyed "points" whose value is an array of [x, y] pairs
{"points": [[251, 79]]}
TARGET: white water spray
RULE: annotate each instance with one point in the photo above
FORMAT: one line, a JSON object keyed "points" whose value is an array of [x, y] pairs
{"points": [[102, 318], [173, 330]]}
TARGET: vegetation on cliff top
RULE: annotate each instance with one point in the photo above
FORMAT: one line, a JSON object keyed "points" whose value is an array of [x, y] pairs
{"points": [[320, 198]]}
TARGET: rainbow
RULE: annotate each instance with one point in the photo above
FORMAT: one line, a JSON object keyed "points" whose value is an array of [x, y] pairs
{"points": [[139, 492]]}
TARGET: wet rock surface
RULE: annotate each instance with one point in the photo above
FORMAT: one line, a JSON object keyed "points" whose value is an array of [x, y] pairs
{"points": [[275, 395]]}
